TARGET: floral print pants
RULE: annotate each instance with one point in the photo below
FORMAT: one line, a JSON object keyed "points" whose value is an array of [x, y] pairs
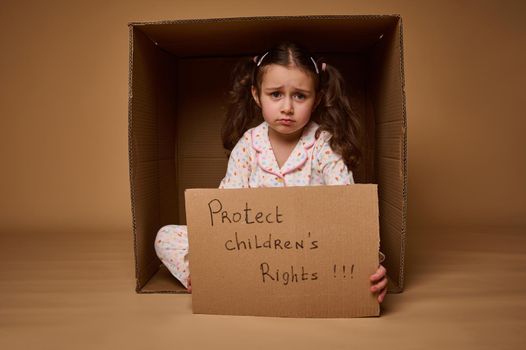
{"points": [[171, 246]]}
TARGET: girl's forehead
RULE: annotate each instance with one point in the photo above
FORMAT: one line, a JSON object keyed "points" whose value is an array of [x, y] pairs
{"points": [[277, 75]]}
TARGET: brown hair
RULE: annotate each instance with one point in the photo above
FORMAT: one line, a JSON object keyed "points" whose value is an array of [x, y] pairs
{"points": [[334, 113]]}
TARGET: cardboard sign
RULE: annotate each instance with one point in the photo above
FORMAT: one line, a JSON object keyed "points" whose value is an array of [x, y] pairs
{"points": [[295, 251]]}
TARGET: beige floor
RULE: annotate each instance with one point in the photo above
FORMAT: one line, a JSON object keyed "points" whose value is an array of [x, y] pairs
{"points": [[465, 290]]}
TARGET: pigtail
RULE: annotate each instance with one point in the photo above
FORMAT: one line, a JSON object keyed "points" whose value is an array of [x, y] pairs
{"points": [[335, 115], [242, 112]]}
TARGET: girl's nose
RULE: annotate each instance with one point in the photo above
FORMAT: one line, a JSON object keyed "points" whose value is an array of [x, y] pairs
{"points": [[287, 107]]}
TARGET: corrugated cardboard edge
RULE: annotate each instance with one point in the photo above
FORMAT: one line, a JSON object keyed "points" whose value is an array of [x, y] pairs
{"points": [[260, 18], [404, 156], [131, 148]]}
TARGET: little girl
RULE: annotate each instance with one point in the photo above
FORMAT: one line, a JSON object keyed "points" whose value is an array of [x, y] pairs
{"points": [[289, 123]]}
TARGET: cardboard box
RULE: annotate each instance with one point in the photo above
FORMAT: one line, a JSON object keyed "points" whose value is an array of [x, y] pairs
{"points": [[284, 251], [179, 76]]}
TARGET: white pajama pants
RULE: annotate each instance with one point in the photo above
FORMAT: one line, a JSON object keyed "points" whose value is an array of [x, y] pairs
{"points": [[171, 246]]}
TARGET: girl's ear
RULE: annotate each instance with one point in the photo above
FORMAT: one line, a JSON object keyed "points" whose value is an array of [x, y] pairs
{"points": [[255, 95]]}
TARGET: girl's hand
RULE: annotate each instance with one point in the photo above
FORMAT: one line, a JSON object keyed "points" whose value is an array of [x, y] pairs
{"points": [[380, 280], [189, 289]]}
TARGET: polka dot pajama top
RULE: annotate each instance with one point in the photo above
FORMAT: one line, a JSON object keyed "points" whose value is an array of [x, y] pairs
{"points": [[312, 162]]}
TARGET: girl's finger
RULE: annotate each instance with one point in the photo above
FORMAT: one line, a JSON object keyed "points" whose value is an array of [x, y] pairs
{"points": [[380, 273], [381, 296], [379, 286]]}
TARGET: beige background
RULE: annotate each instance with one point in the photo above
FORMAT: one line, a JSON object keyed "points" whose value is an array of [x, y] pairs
{"points": [[64, 169], [63, 107]]}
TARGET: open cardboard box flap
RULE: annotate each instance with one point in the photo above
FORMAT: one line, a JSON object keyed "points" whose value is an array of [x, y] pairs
{"points": [[178, 79]]}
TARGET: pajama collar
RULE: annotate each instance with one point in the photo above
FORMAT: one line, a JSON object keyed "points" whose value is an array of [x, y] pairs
{"points": [[265, 155]]}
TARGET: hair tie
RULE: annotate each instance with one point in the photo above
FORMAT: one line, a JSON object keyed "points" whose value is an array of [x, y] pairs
{"points": [[315, 65], [261, 59], [258, 62]]}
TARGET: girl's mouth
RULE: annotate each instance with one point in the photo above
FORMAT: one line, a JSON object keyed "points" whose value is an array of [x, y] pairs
{"points": [[285, 121]]}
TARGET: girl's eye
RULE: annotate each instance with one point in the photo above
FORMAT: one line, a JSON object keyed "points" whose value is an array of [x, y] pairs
{"points": [[300, 96], [275, 94]]}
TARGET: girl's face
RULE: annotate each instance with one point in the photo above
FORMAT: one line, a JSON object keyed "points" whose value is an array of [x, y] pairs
{"points": [[287, 99]]}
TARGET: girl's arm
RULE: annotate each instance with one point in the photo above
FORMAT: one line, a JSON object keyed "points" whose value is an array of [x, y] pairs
{"points": [[331, 164]]}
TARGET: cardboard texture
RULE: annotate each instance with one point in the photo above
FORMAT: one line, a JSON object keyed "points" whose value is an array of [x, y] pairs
{"points": [[295, 252], [178, 80]]}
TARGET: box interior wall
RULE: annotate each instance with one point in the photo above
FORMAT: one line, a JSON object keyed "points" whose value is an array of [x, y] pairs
{"points": [[179, 77]]}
